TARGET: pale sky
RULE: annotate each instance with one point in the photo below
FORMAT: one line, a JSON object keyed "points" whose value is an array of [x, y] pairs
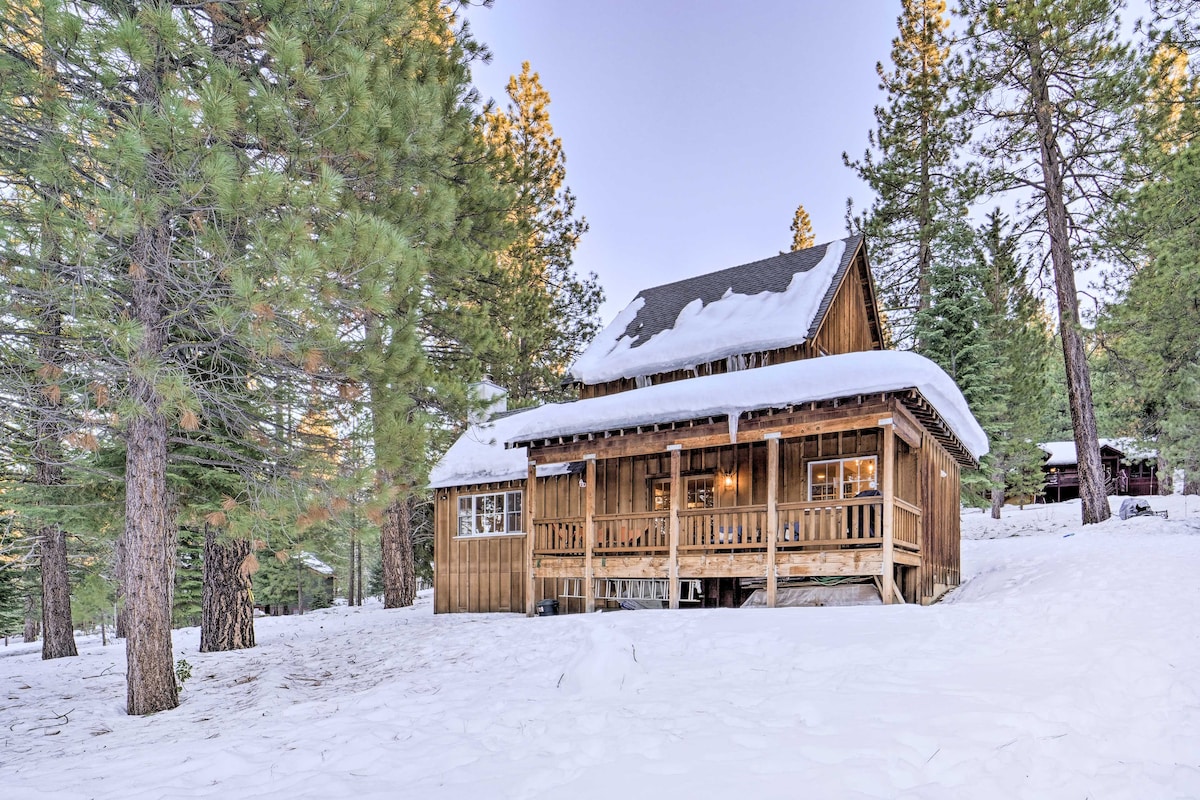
{"points": [[693, 129]]}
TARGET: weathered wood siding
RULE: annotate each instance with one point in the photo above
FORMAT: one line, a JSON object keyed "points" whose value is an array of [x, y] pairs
{"points": [[476, 573], [846, 328], [938, 478]]}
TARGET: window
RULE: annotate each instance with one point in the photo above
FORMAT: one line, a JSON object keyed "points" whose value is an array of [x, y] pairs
{"points": [[841, 478], [699, 493], [489, 514]]}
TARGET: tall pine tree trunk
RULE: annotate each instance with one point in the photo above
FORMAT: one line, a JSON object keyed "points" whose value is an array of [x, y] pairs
{"points": [[120, 615], [58, 637], [227, 608], [58, 634], [1079, 384], [997, 493], [149, 533], [396, 550], [351, 591], [31, 620]]}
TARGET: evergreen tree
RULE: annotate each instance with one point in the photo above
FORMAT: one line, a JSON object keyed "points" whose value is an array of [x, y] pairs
{"points": [[1147, 357], [802, 232], [37, 288], [911, 167], [1019, 334], [545, 311], [190, 244], [1054, 86]]}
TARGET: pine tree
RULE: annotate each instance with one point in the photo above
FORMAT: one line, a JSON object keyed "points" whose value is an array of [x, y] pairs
{"points": [[802, 232], [546, 312], [911, 166], [1054, 85], [1019, 336], [38, 289], [190, 245]]}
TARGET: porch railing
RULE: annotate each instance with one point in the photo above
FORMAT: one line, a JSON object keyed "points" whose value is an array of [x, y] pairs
{"points": [[906, 525], [731, 528], [561, 537], [647, 532], [821, 523], [804, 525]]}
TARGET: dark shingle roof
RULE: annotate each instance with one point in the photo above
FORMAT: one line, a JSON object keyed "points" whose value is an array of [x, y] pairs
{"points": [[663, 303]]}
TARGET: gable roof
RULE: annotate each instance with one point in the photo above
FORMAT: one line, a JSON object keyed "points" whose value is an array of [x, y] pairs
{"points": [[1063, 454], [764, 305]]}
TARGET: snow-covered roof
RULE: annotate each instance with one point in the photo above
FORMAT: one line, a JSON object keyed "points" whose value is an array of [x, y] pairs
{"points": [[775, 386], [768, 304], [1063, 454], [479, 456], [314, 563]]}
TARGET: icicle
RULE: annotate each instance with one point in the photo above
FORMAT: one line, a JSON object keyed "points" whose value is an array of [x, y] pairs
{"points": [[733, 426], [642, 381]]}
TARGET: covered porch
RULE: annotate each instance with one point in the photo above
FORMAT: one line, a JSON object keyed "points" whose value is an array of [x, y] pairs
{"points": [[835, 489]]}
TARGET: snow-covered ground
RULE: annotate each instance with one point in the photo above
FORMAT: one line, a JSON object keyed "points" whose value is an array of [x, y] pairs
{"points": [[1066, 666]]}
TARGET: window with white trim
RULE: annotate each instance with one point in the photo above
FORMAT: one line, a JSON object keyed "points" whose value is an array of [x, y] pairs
{"points": [[489, 514], [841, 478], [699, 492]]}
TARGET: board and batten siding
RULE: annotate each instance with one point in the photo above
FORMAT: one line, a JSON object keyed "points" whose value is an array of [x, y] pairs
{"points": [[476, 573], [490, 573]]}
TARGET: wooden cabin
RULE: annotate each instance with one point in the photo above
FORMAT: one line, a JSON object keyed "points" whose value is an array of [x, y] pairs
{"points": [[1128, 469], [740, 437]]}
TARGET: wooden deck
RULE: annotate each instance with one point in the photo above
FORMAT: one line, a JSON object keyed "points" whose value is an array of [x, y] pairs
{"points": [[810, 539]]}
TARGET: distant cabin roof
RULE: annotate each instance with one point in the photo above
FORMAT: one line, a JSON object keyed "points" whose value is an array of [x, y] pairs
{"points": [[764, 305], [479, 455], [1063, 454]]}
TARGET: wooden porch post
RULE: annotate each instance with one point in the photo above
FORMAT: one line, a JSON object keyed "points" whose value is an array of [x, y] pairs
{"points": [[676, 494], [888, 473], [772, 515], [530, 494], [589, 531]]}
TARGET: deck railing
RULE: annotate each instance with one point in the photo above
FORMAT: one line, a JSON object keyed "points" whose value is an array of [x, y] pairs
{"points": [[731, 528], [814, 524], [561, 537], [906, 525], [647, 532], [821, 523]]}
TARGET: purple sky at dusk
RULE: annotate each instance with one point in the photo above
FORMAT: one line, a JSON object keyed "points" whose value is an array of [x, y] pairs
{"points": [[692, 129]]}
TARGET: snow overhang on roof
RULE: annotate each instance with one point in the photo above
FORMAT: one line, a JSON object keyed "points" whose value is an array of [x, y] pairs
{"points": [[479, 456], [761, 306], [775, 386], [1059, 454]]}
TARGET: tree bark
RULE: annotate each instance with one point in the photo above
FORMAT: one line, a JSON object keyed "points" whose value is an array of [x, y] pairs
{"points": [[149, 533], [997, 496], [120, 615], [1092, 491], [58, 634], [31, 620], [395, 545], [352, 589], [227, 611]]}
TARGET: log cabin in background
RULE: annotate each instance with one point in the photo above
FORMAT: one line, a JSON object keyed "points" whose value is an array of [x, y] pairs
{"points": [[741, 437], [1128, 469]]}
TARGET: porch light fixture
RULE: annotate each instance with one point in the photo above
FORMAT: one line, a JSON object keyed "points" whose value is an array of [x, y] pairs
{"points": [[728, 480]]}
